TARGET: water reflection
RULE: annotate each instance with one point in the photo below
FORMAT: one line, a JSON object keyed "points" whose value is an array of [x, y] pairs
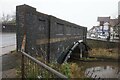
{"points": [[102, 72]]}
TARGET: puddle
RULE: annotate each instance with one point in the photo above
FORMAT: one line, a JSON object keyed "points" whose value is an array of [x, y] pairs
{"points": [[102, 72], [99, 69]]}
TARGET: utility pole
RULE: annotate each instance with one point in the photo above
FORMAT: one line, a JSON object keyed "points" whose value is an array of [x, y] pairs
{"points": [[108, 37], [101, 24], [109, 31], [119, 35]]}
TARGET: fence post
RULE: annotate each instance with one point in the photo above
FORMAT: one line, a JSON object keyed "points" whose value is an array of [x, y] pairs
{"points": [[22, 67], [22, 62]]}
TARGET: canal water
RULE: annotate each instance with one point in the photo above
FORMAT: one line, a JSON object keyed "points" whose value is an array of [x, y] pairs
{"points": [[7, 42], [100, 69]]}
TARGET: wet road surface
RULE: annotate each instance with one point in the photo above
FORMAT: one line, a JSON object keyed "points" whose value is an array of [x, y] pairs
{"points": [[9, 64], [7, 42]]}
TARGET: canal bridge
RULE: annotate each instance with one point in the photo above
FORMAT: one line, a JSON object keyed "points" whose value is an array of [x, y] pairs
{"points": [[46, 37]]}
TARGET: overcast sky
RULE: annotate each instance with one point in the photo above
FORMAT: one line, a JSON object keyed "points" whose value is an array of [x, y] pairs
{"points": [[81, 12]]}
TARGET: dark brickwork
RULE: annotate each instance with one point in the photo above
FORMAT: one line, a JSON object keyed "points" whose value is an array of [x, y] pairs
{"points": [[47, 35], [102, 44]]}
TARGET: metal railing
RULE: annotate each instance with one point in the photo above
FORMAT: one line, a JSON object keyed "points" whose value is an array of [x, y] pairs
{"points": [[33, 68]]}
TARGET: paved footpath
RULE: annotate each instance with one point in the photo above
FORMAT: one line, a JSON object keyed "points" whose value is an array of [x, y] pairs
{"points": [[9, 64]]}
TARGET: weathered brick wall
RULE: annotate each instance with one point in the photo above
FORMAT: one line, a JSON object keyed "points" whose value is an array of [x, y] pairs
{"points": [[47, 35], [101, 44], [62, 35]]}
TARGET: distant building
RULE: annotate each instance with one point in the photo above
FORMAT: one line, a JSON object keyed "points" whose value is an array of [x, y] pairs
{"points": [[107, 27], [103, 20], [113, 22], [8, 27]]}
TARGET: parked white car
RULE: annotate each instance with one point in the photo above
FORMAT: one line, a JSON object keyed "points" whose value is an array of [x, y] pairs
{"points": [[102, 36], [92, 35], [116, 37]]}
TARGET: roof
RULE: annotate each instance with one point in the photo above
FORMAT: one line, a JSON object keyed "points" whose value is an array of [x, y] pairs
{"points": [[93, 28], [113, 22], [103, 19]]}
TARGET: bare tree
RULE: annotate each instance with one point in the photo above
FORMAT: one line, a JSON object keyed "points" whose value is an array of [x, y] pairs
{"points": [[8, 18]]}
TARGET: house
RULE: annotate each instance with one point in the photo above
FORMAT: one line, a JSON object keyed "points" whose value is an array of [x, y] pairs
{"points": [[106, 27]]}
